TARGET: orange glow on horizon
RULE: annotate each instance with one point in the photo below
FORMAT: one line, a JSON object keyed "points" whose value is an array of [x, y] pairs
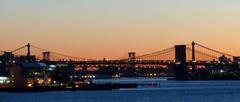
{"points": [[111, 29]]}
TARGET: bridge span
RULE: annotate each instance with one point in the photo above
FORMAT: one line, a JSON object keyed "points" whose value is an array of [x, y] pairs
{"points": [[184, 60]]}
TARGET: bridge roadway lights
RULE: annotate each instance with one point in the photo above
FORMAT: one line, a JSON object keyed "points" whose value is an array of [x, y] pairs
{"points": [[180, 62]]}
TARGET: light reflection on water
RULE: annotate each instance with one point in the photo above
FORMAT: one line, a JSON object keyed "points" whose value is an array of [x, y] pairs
{"points": [[169, 91]]}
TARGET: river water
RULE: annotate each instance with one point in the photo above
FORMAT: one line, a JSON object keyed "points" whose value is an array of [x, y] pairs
{"points": [[169, 91]]}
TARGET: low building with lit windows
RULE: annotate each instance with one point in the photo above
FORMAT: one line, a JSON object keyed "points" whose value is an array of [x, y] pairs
{"points": [[29, 74]]}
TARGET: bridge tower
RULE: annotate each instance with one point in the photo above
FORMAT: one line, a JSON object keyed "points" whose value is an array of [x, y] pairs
{"points": [[193, 51], [46, 56], [181, 72], [131, 56], [131, 70], [28, 50], [193, 60]]}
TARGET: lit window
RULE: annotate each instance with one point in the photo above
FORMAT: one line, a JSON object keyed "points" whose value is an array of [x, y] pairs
{"points": [[4, 80], [30, 85]]}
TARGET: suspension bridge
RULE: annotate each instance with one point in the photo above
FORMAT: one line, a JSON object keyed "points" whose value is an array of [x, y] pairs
{"points": [[179, 57], [195, 52]]}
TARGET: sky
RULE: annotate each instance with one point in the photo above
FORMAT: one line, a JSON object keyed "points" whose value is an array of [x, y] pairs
{"points": [[111, 28]]}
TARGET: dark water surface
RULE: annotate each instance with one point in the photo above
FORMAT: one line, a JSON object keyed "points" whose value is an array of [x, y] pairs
{"points": [[169, 91]]}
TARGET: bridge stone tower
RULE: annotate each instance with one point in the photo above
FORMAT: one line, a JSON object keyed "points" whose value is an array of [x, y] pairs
{"points": [[181, 72], [46, 56], [131, 70], [131, 56]]}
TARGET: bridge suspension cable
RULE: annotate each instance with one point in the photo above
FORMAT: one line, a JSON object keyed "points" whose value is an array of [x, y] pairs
{"points": [[214, 50], [19, 48], [201, 55], [63, 55], [158, 53]]}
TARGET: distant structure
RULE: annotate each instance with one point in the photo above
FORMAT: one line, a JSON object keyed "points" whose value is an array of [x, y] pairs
{"points": [[131, 56], [181, 62], [46, 56]]}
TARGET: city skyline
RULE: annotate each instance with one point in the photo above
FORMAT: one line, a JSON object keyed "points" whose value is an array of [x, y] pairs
{"points": [[97, 29], [119, 50]]}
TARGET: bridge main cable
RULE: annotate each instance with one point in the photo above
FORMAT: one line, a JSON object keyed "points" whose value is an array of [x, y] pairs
{"points": [[56, 53], [156, 53], [214, 50], [19, 48], [205, 54]]}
